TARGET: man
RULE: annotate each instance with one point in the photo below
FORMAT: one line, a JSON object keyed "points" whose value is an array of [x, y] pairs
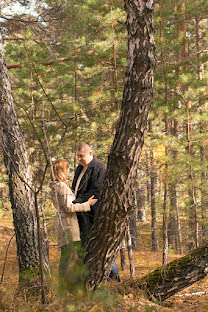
{"points": [[88, 181]]}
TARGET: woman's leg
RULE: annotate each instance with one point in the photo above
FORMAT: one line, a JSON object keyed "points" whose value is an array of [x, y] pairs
{"points": [[64, 260], [79, 250], [70, 254]]}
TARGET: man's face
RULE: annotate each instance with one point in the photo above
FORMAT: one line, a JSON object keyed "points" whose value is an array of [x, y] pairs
{"points": [[84, 157]]}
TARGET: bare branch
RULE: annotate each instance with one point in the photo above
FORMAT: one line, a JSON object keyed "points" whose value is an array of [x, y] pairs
{"points": [[2, 275], [50, 62]]}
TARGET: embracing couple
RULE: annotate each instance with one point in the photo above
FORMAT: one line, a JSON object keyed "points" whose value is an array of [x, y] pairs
{"points": [[76, 208]]}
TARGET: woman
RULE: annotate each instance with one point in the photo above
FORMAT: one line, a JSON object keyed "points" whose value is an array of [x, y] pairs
{"points": [[66, 223]]}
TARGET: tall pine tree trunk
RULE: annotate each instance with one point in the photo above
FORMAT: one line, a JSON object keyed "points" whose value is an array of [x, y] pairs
{"points": [[165, 211], [165, 196], [179, 227], [132, 226], [148, 182], [203, 151], [116, 201], [140, 197], [141, 211], [153, 176], [172, 225], [165, 227], [19, 175], [193, 218]]}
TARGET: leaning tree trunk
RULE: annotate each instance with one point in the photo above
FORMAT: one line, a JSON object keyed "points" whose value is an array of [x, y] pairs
{"points": [[116, 202], [175, 276], [19, 175]]}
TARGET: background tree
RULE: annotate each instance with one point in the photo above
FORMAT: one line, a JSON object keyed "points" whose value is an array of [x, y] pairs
{"points": [[19, 176]]}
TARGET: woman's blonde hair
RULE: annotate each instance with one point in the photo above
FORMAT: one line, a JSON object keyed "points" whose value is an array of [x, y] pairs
{"points": [[60, 168]]}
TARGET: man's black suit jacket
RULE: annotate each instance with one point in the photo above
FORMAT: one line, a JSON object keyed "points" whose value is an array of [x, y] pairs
{"points": [[90, 184]]}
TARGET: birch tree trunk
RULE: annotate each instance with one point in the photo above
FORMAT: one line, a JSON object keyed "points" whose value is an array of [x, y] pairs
{"points": [[130, 254], [133, 227], [19, 175], [123, 255], [116, 201]]}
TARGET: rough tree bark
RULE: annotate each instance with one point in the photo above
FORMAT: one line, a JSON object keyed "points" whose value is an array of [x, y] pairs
{"points": [[116, 202], [19, 175], [175, 276]]}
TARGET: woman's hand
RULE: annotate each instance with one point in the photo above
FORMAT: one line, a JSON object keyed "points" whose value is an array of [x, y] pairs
{"points": [[92, 201]]}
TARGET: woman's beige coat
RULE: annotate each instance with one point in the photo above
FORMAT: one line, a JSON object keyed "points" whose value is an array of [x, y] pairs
{"points": [[66, 224]]}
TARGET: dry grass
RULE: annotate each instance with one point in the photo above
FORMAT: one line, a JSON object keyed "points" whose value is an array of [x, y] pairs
{"points": [[28, 298]]}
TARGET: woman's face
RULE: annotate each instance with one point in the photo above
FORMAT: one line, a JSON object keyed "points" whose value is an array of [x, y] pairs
{"points": [[66, 172]]}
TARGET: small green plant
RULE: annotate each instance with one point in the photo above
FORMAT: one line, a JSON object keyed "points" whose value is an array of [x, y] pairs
{"points": [[149, 309], [104, 296]]}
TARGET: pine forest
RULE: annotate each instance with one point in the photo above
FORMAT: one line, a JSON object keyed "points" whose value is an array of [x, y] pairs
{"points": [[75, 71]]}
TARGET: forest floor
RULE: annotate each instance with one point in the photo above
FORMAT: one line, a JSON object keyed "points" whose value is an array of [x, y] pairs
{"points": [[115, 296]]}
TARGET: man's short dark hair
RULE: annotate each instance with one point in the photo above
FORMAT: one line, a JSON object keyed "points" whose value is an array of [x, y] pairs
{"points": [[84, 146]]}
